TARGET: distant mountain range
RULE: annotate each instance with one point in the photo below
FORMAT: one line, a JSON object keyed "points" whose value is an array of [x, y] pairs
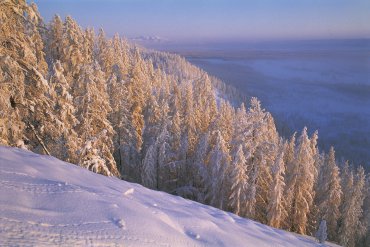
{"points": [[149, 39]]}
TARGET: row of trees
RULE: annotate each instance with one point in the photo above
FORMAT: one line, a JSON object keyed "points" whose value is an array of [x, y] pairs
{"points": [[153, 118]]}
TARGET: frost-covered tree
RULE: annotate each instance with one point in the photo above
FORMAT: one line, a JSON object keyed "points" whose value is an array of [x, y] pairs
{"points": [[266, 154], [136, 86], [219, 161], [224, 122], [15, 43], [174, 156], [276, 211], [148, 175], [313, 218], [153, 121], [200, 172], [255, 131], [92, 158], [34, 29], [189, 133], [331, 193], [105, 52], [93, 110], [239, 182], [351, 209], [155, 164], [120, 56], [175, 131], [120, 118], [67, 144], [321, 234], [290, 176], [11, 103], [304, 181], [88, 46], [245, 136], [22, 53], [163, 169], [71, 49], [55, 39], [189, 136], [205, 109], [365, 219]]}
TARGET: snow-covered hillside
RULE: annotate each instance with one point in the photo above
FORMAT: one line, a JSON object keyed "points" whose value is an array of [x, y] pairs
{"points": [[44, 201]]}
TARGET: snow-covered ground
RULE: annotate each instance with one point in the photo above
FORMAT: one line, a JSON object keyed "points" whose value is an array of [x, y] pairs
{"points": [[44, 201]]}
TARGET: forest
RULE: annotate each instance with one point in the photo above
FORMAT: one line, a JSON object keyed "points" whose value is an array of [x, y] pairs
{"points": [[152, 118]]}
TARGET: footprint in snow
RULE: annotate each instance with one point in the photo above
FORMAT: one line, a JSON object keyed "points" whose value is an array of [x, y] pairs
{"points": [[121, 223], [192, 235]]}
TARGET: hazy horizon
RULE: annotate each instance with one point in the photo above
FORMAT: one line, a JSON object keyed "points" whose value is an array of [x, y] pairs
{"points": [[219, 20]]}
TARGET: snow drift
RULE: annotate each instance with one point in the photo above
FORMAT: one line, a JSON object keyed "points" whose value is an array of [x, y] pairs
{"points": [[44, 201]]}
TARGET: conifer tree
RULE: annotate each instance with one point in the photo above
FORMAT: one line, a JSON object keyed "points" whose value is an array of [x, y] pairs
{"points": [[189, 135], [148, 175], [364, 240], [313, 218], [205, 109], [276, 211], [304, 182], [120, 118], [92, 155], [189, 138], [290, 177], [28, 97], [200, 172], [152, 119], [259, 150], [239, 182], [321, 234], [351, 209], [55, 39], [71, 49], [88, 46], [155, 161], [331, 194], [174, 156], [120, 56], [224, 122], [265, 154], [11, 103], [219, 161], [136, 95], [66, 145], [35, 27], [105, 53], [93, 110], [163, 147]]}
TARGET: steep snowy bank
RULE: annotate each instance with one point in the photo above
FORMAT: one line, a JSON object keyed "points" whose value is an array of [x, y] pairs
{"points": [[44, 201]]}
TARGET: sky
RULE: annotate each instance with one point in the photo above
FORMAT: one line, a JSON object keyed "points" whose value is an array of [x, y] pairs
{"points": [[219, 20]]}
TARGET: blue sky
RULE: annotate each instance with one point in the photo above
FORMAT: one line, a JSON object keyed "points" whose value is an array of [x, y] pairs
{"points": [[219, 20]]}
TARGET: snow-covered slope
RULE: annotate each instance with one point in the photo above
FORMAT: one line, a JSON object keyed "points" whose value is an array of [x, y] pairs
{"points": [[44, 201]]}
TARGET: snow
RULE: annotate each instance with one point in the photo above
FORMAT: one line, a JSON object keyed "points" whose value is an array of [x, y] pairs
{"points": [[44, 201], [129, 192]]}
